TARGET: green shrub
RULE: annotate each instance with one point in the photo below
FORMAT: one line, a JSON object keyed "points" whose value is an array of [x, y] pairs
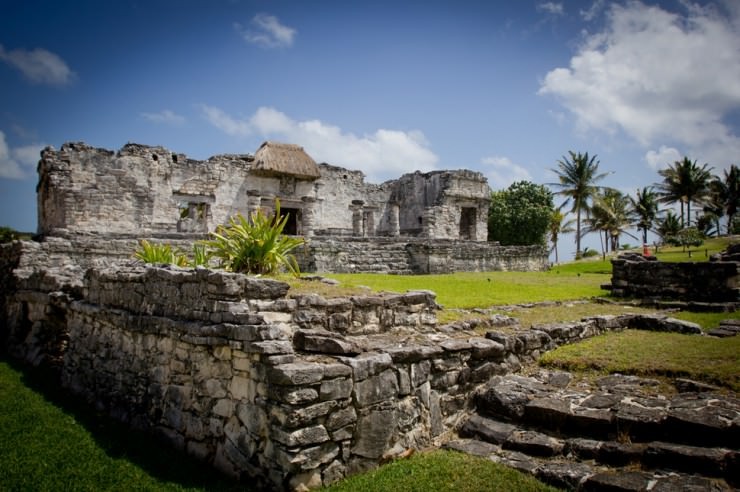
{"points": [[589, 253], [689, 236], [7, 235], [257, 246], [160, 253]]}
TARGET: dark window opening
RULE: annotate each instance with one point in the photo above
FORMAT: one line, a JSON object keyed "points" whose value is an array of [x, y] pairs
{"points": [[174, 158], [468, 216], [291, 226], [155, 157]]}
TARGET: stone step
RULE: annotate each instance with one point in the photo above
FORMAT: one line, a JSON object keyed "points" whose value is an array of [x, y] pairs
{"points": [[616, 409], [709, 462], [590, 475]]}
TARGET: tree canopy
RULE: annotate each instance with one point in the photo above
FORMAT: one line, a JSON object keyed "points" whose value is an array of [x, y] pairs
{"points": [[520, 214]]}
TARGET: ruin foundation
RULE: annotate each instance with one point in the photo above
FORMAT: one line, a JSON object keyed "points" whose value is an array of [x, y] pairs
{"points": [[290, 391]]}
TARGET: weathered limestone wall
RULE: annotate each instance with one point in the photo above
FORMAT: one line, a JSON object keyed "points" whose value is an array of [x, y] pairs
{"points": [[431, 204], [713, 281], [139, 189], [347, 206]]}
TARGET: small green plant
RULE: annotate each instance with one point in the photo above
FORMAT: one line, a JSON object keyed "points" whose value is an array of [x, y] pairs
{"points": [[160, 253], [257, 245]]}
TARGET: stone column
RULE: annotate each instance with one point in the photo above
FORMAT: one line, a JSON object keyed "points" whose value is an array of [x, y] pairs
{"points": [[369, 222], [253, 202], [308, 215], [357, 218], [395, 221]]}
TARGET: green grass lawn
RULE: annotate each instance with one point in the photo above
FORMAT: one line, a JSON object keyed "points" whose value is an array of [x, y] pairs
{"points": [[470, 290], [441, 471], [51, 441], [709, 359]]}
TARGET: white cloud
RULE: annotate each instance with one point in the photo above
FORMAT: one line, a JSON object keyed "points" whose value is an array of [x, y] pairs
{"points": [[551, 8], [662, 157], [657, 76], [502, 172], [218, 118], [267, 31], [166, 117], [18, 163], [39, 66], [381, 155], [593, 11]]}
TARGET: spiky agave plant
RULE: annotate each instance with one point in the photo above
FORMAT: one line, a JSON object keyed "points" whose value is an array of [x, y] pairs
{"points": [[257, 245], [201, 255]]}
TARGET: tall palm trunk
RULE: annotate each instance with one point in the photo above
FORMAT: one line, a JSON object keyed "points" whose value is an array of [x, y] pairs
{"points": [[578, 233]]}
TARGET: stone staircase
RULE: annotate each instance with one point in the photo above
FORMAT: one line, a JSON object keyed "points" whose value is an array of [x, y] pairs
{"points": [[618, 433]]}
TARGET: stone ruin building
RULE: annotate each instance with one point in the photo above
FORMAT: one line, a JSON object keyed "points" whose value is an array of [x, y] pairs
{"points": [[420, 223], [295, 391]]}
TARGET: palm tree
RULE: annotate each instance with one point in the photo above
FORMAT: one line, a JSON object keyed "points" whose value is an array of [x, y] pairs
{"points": [[684, 181], [611, 214], [645, 208], [668, 226], [577, 178], [557, 227], [724, 196]]}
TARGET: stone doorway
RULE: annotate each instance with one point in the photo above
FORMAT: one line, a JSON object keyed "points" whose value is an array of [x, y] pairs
{"points": [[294, 219], [468, 218]]}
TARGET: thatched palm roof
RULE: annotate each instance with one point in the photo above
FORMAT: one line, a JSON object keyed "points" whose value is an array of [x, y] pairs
{"points": [[273, 158]]}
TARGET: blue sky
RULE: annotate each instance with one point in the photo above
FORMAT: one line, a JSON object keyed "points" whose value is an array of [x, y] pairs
{"points": [[387, 87]]}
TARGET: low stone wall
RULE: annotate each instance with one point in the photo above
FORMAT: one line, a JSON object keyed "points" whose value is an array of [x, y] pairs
{"points": [[320, 254], [417, 256], [713, 281], [471, 256]]}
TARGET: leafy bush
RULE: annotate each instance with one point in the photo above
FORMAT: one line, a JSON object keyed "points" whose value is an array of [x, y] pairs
{"points": [[7, 235], [689, 236], [589, 253], [256, 246], [520, 214], [160, 253]]}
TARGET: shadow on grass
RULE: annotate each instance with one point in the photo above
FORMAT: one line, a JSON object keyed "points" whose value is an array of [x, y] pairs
{"points": [[118, 441]]}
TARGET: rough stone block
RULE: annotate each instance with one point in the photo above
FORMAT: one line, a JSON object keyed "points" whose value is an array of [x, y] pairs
{"points": [[341, 418], [413, 352], [373, 433], [489, 430], [486, 349], [325, 342], [298, 373], [301, 437], [367, 364], [335, 389], [534, 443], [376, 388]]}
